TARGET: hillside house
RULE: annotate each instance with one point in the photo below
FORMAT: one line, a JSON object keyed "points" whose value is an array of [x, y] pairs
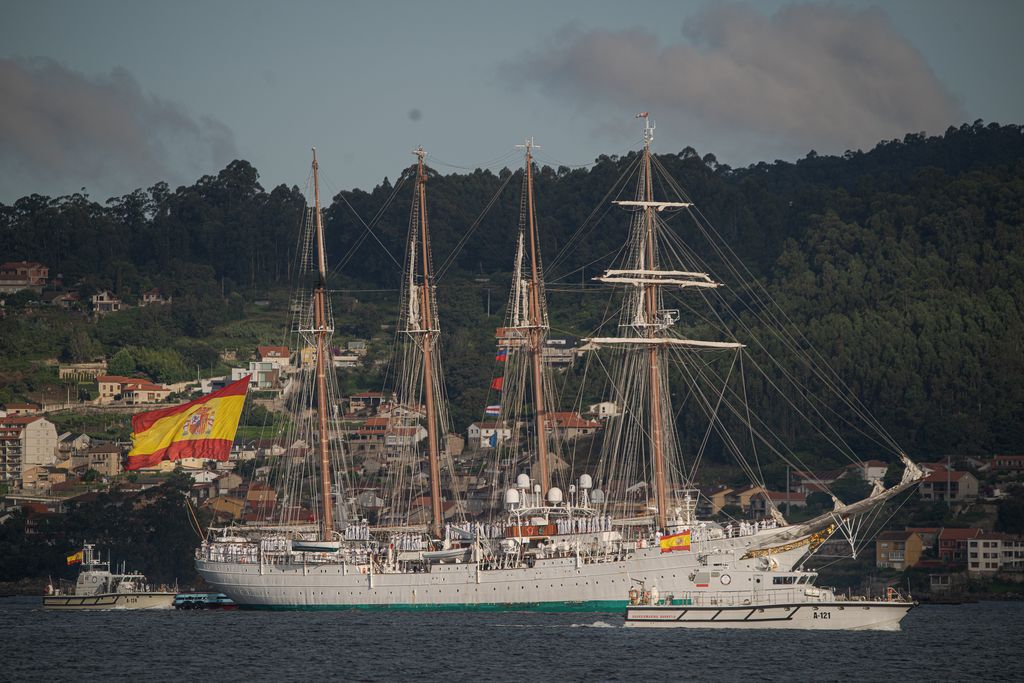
{"points": [[82, 372], [897, 549], [153, 297], [990, 552], [487, 434], [107, 459], [277, 355], [105, 302], [953, 544], [16, 276], [569, 426], [949, 485]]}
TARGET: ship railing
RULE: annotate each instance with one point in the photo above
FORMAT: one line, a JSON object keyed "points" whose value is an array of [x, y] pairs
{"points": [[751, 599]]}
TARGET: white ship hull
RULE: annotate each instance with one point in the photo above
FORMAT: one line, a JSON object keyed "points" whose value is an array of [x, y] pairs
{"points": [[110, 601], [817, 616], [556, 584]]}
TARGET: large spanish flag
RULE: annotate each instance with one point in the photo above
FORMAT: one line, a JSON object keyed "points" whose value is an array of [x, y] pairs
{"points": [[680, 541], [203, 428]]}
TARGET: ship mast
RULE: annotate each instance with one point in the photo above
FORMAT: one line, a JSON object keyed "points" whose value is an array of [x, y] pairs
{"points": [[647, 321], [427, 336], [320, 331], [650, 319], [535, 335]]}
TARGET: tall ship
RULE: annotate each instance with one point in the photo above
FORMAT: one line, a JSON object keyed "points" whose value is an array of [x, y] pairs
{"points": [[557, 537]]}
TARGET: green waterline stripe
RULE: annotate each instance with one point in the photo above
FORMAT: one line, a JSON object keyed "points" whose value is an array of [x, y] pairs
{"points": [[584, 606]]}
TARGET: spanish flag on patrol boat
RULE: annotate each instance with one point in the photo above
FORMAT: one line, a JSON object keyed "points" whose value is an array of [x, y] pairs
{"points": [[203, 428], [75, 558], [680, 541]]}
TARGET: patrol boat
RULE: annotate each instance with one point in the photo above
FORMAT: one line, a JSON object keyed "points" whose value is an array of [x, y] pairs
{"points": [[99, 588], [790, 601]]}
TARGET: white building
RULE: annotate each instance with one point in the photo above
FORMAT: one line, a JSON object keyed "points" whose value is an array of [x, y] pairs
{"points": [[603, 410], [870, 470], [991, 552], [37, 437], [278, 355], [488, 434]]}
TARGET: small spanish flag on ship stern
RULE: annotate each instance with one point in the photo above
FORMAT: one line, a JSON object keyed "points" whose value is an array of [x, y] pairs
{"points": [[680, 541], [203, 428]]}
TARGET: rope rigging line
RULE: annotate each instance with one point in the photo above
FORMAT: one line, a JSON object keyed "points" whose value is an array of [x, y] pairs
{"points": [[811, 358], [457, 249], [368, 230], [603, 206]]}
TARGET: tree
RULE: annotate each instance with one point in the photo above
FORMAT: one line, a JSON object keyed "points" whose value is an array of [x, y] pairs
{"points": [[122, 363], [1010, 516], [79, 347]]}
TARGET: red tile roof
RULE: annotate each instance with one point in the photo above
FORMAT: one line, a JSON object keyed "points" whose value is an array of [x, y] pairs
{"points": [[948, 534], [571, 420], [272, 351], [945, 475], [119, 379], [28, 419]]}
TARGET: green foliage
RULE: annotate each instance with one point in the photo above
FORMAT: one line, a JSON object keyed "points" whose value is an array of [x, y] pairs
{"points": [[80, 346], [122, 363], [850, 488], [163, 365], [150, 532], [1011, 516], [902, 266], [818, 502]]}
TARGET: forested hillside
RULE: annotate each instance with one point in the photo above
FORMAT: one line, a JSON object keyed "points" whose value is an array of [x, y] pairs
{"points": [[903, 265]]}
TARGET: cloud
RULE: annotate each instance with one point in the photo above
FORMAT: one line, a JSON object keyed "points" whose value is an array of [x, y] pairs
{"points": [[61, 130], [415, 114], [818, 76]]}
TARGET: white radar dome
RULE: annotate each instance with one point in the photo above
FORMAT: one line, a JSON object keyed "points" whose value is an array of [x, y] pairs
{"points": [[523, 481], [597, 496], [536, 488], [511, 497], [586, 482], [554, 495]]}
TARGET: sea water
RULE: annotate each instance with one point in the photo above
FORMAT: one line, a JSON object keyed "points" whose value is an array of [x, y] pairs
{"points": [[937, 643]]}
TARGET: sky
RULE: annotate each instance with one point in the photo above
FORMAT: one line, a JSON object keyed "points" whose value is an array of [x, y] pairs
{"points": [[111, 96]]}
